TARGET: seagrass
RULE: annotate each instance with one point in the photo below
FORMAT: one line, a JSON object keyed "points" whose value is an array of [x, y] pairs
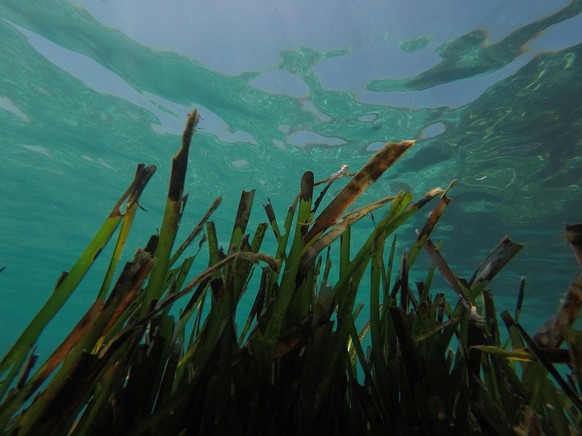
{"points": [[160, 351]]}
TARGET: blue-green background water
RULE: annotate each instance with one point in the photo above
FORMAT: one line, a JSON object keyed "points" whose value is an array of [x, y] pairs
{"points": [[89, 88]]}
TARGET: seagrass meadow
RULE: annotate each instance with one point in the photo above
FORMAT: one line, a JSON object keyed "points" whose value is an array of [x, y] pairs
{"points": [[160, 352]]}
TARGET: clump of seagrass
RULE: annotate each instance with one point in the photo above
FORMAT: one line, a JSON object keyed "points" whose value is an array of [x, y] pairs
{"points": [[159, 351]]}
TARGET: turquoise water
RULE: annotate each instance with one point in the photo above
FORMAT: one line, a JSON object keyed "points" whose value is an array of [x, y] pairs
{"points": [[88, 89]]}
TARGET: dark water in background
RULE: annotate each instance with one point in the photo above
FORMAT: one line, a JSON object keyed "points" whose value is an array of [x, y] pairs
{"points": [[88, 89]]}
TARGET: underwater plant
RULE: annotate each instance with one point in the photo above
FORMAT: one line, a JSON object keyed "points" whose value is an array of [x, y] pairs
{"points": [[159, 350]]}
